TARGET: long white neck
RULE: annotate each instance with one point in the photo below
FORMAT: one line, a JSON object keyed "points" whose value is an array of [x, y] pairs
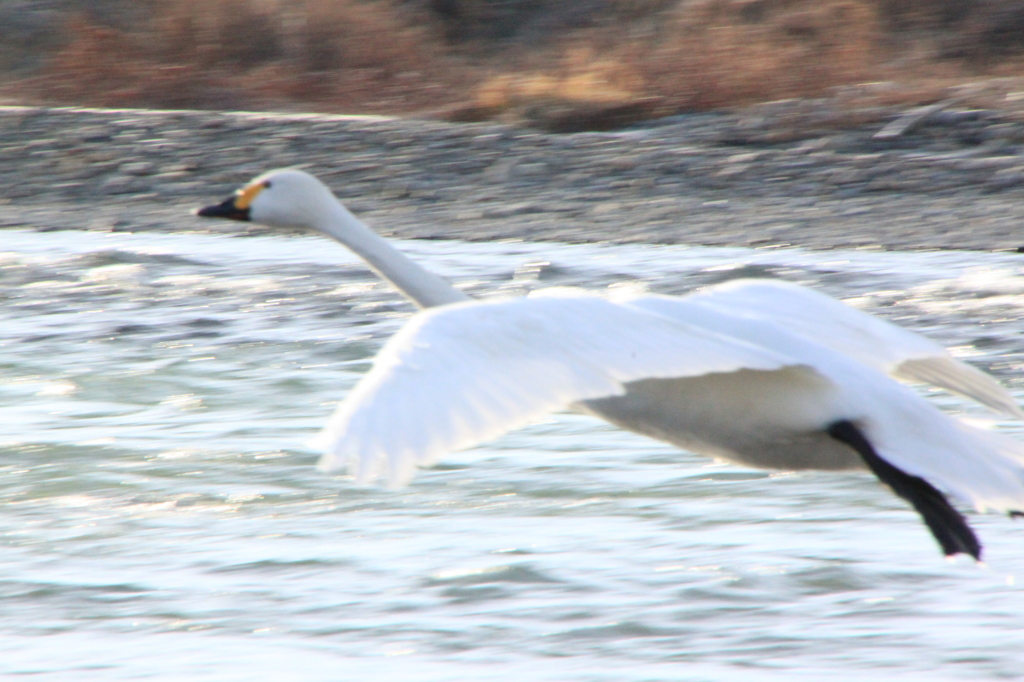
{"points": [[424, 288]]}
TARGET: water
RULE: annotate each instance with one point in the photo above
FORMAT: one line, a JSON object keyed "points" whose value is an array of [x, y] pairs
{"points": [[163, 520]]}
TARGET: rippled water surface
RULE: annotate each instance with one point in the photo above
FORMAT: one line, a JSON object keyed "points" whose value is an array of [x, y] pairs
{"points": [[162, 519]]}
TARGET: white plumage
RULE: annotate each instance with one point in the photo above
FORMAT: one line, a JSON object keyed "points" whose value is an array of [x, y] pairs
{"points": [[760, 372], [865, 338], [461, 374]]}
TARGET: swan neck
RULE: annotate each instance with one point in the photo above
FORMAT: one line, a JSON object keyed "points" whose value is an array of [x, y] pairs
{"points": [[424, 288]]}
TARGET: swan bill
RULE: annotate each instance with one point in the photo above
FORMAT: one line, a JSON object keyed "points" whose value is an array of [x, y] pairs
{"points": [[947, 524], [229, 209]]}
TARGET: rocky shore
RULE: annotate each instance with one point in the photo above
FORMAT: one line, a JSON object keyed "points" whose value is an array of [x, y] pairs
{"points": [[767, 177]]}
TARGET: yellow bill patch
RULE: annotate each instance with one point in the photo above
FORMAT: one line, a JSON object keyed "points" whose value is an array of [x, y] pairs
{"points": [[245, 196]]}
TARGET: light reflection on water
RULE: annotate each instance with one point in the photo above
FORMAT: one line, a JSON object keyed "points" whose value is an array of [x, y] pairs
{"points": [[162, 518]]}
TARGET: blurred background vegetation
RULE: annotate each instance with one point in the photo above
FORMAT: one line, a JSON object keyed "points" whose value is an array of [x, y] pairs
{"points": [[584, 63]]}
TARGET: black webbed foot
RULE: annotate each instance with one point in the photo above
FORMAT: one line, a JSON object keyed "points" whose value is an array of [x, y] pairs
{"points": [[947, 524]]}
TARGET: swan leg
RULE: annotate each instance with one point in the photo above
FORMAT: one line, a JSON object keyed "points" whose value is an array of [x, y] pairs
{"points": [[947, 524]]}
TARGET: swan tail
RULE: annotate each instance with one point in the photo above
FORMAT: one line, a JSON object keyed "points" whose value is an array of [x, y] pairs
{"points": [[949, 526]]}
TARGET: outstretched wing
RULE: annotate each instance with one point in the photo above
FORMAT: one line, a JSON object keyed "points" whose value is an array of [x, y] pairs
{"points": [[896, 351], [908, 431], [460, 374]]}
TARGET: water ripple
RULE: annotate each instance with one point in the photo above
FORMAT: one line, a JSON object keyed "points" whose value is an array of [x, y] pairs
{"points": [[162, 519]]}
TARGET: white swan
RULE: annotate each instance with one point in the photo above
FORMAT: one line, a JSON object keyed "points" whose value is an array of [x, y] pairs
{"points": [[759, 372]]}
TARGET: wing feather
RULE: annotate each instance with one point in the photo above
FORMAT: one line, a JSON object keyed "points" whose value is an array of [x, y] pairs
{"points": [[958, 377], [461, 374], [896, 351]]}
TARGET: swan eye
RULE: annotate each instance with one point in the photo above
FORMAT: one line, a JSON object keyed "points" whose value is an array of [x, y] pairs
{"points": [[266, 184]]}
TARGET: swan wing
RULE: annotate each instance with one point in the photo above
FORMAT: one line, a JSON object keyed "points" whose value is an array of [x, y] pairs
{"points": [[985, 468], [464, 373], [981, 466], [896, 351], [958, 377]]}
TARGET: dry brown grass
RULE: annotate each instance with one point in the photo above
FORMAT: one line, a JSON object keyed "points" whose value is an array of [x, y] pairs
{"points": [[711, 54], [624, 60], [340, 55], [725, 52], [862, 55]]}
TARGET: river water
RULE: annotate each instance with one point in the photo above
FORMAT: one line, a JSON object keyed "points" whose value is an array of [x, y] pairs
{"points": [[162, 518]]}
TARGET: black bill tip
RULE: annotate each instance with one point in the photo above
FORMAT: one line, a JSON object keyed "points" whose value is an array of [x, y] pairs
{"points": [[226, 209]]}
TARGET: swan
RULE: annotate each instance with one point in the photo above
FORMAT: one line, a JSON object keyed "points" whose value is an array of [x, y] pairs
{"points": [[758, 372]]}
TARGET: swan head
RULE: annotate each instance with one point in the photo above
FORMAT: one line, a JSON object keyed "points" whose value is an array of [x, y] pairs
{"points": [[279, 198]]}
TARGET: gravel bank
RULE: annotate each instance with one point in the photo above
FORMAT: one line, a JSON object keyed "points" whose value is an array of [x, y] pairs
{"points": [[765, 178]]}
